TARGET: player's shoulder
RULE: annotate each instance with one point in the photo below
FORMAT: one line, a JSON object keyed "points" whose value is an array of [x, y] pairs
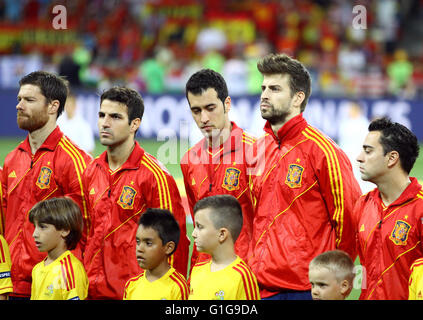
{"points": [[153, 165], [248, 138], [417, 264], [70, 151], [135, 279]]}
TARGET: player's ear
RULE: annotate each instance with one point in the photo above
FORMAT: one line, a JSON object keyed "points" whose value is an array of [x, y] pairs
{"points": [[227, 104], [345, 287], [64, 233], [53, 106], [169, 247], [223, 234], [393, 158], [135, 124]]}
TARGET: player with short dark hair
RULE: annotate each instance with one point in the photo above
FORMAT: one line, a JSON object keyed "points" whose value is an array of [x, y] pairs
{"points": [[157, 239], [45, 165], [224, 276], [121, 184], [221, 163], [305, 194], [389, 218]]}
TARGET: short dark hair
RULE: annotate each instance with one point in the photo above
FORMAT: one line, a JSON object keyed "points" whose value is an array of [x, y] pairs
{"points": [[299, 77], [164, 223], [129, 97], [396, 137], [205, 79], [227, 212], [64, 214], [52, 87]]}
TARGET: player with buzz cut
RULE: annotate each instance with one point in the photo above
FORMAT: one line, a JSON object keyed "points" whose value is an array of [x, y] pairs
{"points": [[389, 229], [220, 163], [224, 276], [45, 165], [120, 185]]}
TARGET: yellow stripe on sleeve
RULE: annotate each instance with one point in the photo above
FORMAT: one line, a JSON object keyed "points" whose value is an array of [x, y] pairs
{"points": [[334, 175]]}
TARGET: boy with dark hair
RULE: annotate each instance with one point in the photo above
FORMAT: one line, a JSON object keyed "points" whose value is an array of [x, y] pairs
{"points": [[157, 239], [225, 276], [389, 218], [58, 228]]}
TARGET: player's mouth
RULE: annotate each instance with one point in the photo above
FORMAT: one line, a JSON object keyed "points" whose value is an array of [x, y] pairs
{"points": [[38, 244]]}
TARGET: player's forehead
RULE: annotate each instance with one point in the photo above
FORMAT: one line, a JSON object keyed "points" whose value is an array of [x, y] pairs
{"points": [[277, 79], [113, 107], [29, 90], [145, 232], [201, 100]]}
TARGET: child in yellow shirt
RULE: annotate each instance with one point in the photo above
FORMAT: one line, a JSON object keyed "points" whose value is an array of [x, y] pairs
{"points": [[5, 265], [58, 228], [218, 223], [415, 284], [157, 239]]}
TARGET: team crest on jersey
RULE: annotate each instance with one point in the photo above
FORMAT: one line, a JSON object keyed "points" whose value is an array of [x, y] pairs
{"points": [[231, 179], [126, 198], [43, 180], [399, 234], [294, 176]]}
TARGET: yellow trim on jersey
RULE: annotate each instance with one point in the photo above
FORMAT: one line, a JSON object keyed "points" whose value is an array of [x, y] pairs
{"points": [[384, 218], [395, 261], [78, 165], [289, 206], [335, 177], [10, 191], [115, 229], [163, 187], [270, 170]]}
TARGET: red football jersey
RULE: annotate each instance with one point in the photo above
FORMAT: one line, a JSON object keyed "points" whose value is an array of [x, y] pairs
{"points": [[305, 197], [116, 200], [55, 170], [389, 240], [222, 170]]}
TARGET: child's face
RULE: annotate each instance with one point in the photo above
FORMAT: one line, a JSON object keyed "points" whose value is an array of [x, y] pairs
{"points": [[205, 234], [325, 286], [47, 237], [150, 250]]}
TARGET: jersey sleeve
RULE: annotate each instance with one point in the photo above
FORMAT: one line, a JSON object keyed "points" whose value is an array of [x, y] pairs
{"points": [[72, 168], [340, 191], [74, 282]]}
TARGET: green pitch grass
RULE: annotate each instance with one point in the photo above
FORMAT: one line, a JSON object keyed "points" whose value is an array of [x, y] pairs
{"points": [[169, 153]]}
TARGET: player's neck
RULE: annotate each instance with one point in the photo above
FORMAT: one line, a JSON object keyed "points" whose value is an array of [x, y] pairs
{"points": [[158, 272], [55, 253], [392, 189], [222, 259], [215, 142], [117, 155], [37, 137]]}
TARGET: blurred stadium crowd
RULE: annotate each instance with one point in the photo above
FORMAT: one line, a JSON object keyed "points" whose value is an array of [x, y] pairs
{"points": [[155, 45]]}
